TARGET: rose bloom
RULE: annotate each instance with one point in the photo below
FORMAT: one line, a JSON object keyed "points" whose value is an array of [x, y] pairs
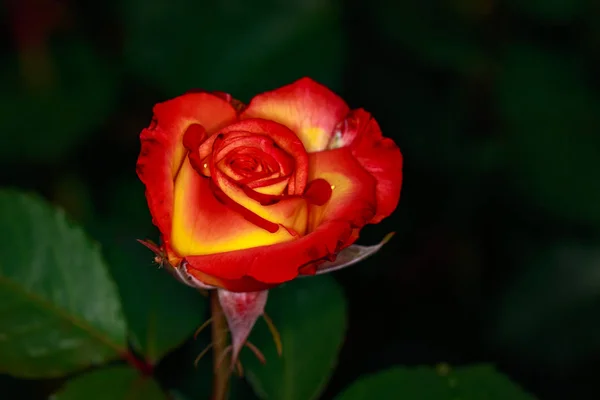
{"points": [[249, 197]]}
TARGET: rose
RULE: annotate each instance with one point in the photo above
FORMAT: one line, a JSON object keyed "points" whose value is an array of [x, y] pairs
{"points": [[248, 197]]}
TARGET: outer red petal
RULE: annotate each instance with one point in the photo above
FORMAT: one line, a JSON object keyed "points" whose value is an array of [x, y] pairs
{"points": [[381, 157], [305, 106], [244, 284], [333, 227], [273, 264], [162, 147]]}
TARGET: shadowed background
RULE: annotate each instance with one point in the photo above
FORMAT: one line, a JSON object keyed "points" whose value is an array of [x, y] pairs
{"points": [[495, 106]]}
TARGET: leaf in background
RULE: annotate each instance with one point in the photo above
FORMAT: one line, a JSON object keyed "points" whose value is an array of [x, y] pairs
{"points": [[114, 383], [482, 381], [60, 308], [552, 137], [426, 383], [549, 315], [161, 312], [42, 124], [310, 315], [243, 48]]}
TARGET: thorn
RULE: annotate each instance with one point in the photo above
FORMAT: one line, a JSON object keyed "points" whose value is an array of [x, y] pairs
{"points": [[201, 328], [202, 353], [256, 352], [150, 245], [274, 333]]}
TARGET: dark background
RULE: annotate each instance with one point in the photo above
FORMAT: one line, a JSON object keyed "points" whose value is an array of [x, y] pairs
{"points": [[494, 104]]}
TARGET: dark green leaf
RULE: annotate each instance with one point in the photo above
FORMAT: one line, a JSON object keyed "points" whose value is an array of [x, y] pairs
{"points": [[478, 382], [552, 136], [310, 314], [550, 313], [115, 383], [60, 308], [242, 48], [426, 383], [42, 123], [161, 312]]}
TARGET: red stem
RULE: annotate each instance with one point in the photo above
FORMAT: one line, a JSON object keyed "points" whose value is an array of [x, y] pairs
{"points": [[144, 367]]}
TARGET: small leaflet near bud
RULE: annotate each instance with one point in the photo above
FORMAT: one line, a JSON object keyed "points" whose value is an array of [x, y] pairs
{"points": [[351, 255], [241, 311]]}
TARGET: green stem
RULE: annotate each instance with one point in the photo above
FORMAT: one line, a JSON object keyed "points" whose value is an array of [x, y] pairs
{"points": [[221, 369]]}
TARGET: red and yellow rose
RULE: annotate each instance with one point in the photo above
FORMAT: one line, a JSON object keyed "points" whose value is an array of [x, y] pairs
{"points": [[248, 197]]}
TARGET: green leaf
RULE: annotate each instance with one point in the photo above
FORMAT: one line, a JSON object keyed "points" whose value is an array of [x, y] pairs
{"points": [[553, 123], [242, 48], [484, 382], [60, 308], [161, 312], [549, 316], [42, 123], [115, 383], [310, 315], [427, 383]]}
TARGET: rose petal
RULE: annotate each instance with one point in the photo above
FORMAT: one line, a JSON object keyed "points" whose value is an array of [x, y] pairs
{"points": [[382, 159], [306, 107], [273, 264], [284, 138], [243, 284], [353, 189], [162, 148], [204, 225], [318, 192], [270, 186], [288, 212]]}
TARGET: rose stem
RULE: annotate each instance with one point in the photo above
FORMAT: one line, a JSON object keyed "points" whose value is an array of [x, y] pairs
{"points": [[221, 370], [144, 368]]}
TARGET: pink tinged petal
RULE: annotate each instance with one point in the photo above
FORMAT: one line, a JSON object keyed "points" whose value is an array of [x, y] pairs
{"points": [[351, 255], [241, 311]]}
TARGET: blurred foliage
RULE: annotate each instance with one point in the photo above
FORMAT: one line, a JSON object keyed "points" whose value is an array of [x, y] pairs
{"points": [[495, 105], [52, 102], [150, 295], [550, 303], [311, 340], [233, 46], [475, 382], [113, 383]]}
